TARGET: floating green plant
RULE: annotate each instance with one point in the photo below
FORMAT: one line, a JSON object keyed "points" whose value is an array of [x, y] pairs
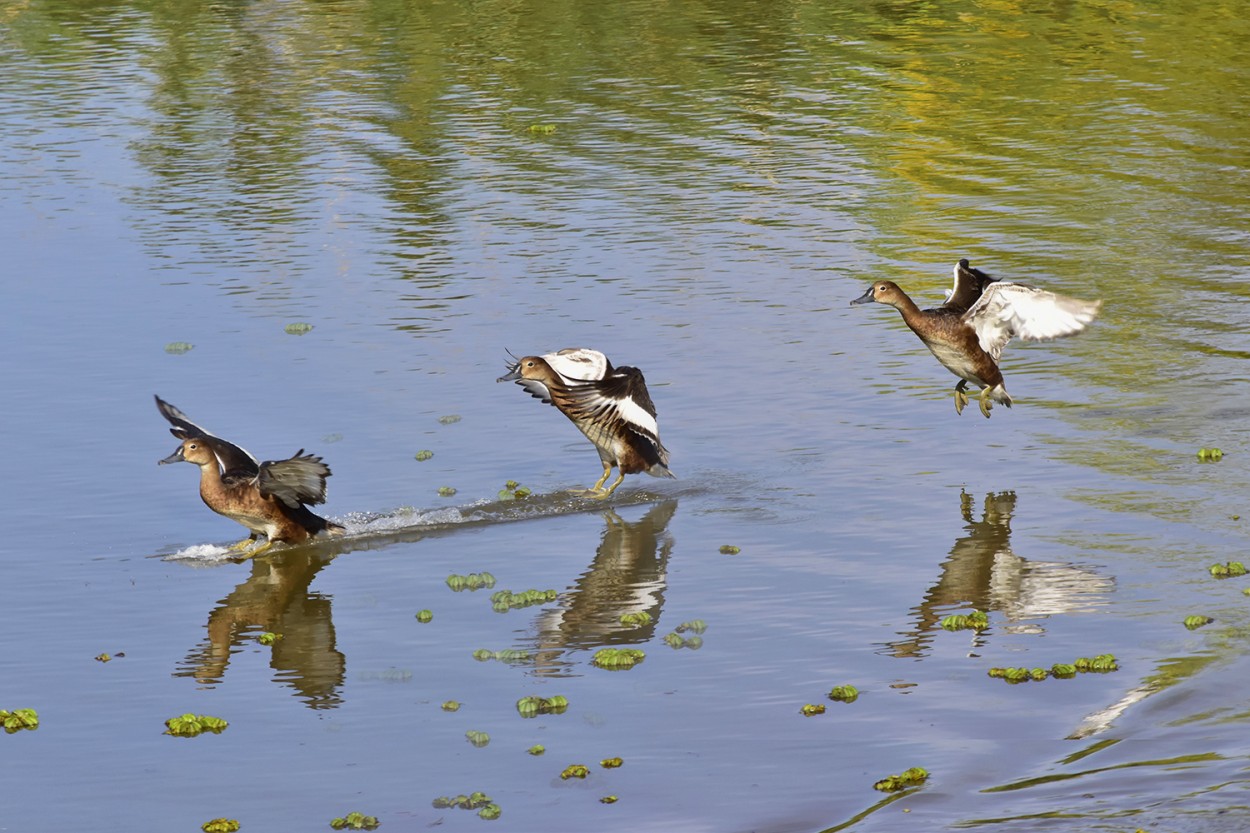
{"points": [[19, 719], [976, 620], [478, 739], [446, 491], [611, 763], [177, 348], [514, 491], [423, 455], [1195, 622], [908, 778], [812, 709], [103, 657], [268, 638], [472, 801], [490, 812], [636, 620], [504, 600], [1099, 664], [1229, 570], [1063, 671], [844, 694], [618, 659], [1209, 455], [355, 821], [298, 328], [424, 616], [449, 419], [533, 706], [575, 771], [608, 799], [542, 129], [694, 626], [190, 725], [675, 641], [451, 706], [220, 826], [536, 749], [473, 581], [730, 549]]}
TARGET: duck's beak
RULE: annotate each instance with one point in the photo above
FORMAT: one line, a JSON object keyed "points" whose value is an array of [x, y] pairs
{"points": [[176, 457], [866, 298], [512, 375]]}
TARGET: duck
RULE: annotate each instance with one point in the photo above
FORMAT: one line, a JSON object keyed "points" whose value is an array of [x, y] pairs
{"points": [[271, 499], [609, 405], [969, 341]]}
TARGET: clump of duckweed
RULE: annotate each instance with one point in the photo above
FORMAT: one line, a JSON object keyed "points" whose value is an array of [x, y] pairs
{"points": [[1210, 455], [177, 348], [473, 581], [694, 626], [618, 659], [478, 739], [490, 812], [1195, 622], [908, 778], [575, 771], [220, 826], [508, 655], [451, 706], [190, 725], [534, 706], [504, 600], [542, 129], [608, 799], [976, 620], [355, 821], [1229, 570], [675, 641], [446, 491], [472, 801], [844, 694], [730, 549], [536, 749], [636, 620], [424, 616], [1063, 671], [611, 763], [449, 419], [423, 455], [268, 638], [812, 709], [1102, 663], [514, 491], [103, 657], [298, 328], [18, 719]]}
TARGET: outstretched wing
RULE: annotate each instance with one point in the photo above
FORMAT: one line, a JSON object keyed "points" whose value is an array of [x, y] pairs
{"points": [[298, 480], [234, 461], [579, 364], [969, 283], [1013, 310], [619, 402]]}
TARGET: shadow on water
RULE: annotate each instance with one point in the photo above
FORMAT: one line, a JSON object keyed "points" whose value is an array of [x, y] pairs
{"points": [[982, 571]]}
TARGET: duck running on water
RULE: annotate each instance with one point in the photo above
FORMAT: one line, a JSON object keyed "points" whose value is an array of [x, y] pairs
{"points": [[610, 405], [268, 498], [969, 340]]}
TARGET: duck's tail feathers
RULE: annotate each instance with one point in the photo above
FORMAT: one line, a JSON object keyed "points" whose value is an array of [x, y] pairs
{"points": [[999, 394], [334, 529], [660, 470]]}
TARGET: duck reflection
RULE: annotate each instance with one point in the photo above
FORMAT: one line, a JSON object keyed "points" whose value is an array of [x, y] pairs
{"points": [[275, 598], [983, 572], [628, 575]]}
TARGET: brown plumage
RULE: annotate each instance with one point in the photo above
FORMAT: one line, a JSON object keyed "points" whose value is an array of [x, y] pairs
{"points": [[609, 405], [268, 498]]}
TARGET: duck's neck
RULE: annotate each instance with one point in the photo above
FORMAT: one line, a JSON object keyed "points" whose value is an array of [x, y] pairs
{"points": [[908, 309], [210, 481]]}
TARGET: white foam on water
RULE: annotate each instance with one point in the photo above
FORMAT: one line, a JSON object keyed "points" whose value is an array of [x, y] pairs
{"points": [[202, 553]]}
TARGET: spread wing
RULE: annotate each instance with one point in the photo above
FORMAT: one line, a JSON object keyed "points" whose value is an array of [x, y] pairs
{"points": [[298, 480], [969, 283], [1013, 310], [619, 402], [234, 461], [579, 364]]}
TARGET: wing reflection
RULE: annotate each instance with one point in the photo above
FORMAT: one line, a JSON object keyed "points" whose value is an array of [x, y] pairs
{"points": [[628, 575], [983, 572], [275, 598]]}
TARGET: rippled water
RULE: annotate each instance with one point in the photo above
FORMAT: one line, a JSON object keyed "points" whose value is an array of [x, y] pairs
{"points": [[697, 190]]}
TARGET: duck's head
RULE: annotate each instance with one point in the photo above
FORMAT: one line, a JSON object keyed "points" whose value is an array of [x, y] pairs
{"points": [[883, 292], [528, 368], [193, 450]]}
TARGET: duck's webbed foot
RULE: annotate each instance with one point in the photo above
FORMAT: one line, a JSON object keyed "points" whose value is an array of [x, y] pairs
{"points": [[961, 398], [597, 491], [986, 402], [244, 556], [245, 543]]}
